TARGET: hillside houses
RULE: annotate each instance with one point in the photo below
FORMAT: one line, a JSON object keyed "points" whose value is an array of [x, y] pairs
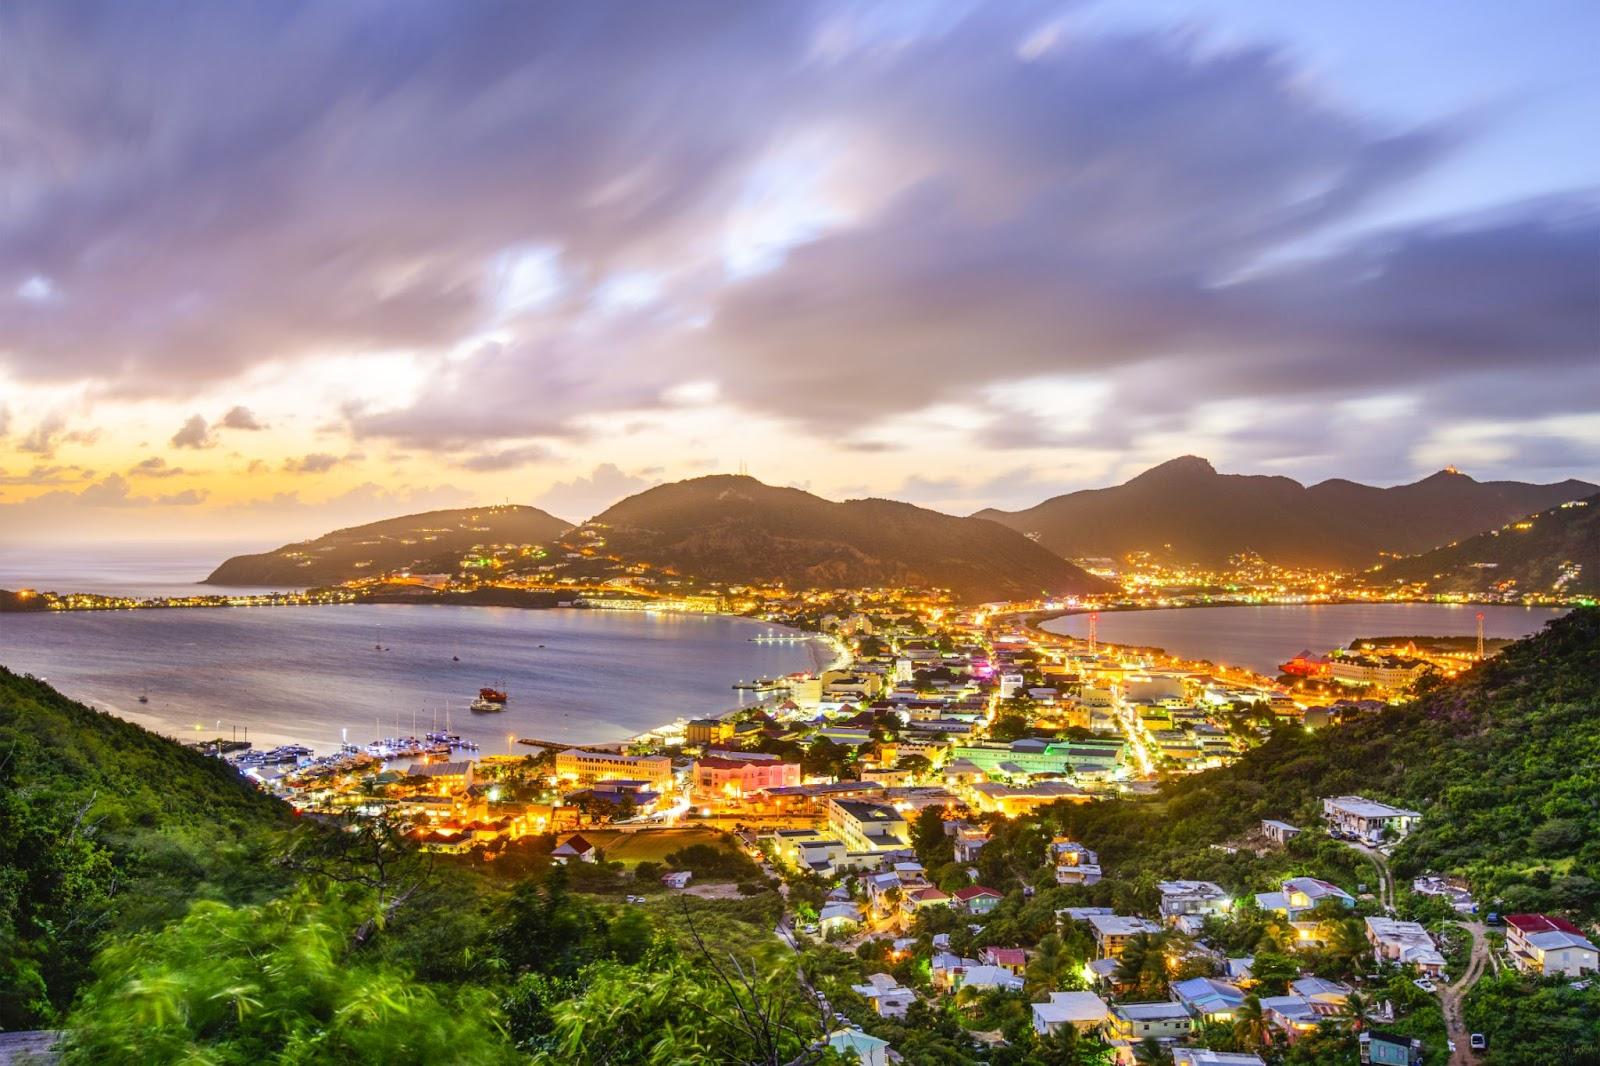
{"points": [[1546, 945], [1407, 943]]}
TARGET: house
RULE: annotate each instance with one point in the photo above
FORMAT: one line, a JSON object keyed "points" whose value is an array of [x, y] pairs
{"points": [[1208, 999], [1013, 959], [1300, 894], [969, 840], [1293, 1015], [1180, 898], [1368, 819], [1279, 833], [1321, 990], [976, 899], [917, 899], [946, 970], [868, 1050], [987, 977], [1199, 1056], [678, 879], [1113, 931], [1389, 1049], [1134, 1022], [575, 847], [1546, 945], [1405, 943], [1081, 1010], [1075, 864], [838, 918], [886, 996]]}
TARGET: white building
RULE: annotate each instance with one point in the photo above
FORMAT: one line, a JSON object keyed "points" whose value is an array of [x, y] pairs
{"points": [[1405, 943], [1546, 945], [1081, 1010], [1368, 819]]}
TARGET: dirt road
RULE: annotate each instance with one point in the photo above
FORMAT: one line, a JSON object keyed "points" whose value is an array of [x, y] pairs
{"points": [[1450, 996]]}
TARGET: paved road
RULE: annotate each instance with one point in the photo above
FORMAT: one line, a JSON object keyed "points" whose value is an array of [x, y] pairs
{"points": [[1452, 995]]}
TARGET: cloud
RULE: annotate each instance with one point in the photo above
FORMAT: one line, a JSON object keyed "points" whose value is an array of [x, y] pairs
{"points": [[505, 458], [314, 463], [41, 474], [807, 211], [241, 417], [194, 433], [44, 436], [584, 497], [154, 467], [111, 491]]}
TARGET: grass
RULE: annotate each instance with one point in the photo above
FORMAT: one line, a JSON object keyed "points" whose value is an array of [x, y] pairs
{"points": [[651, 845]]}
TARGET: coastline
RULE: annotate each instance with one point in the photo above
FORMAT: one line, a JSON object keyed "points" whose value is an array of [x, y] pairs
{"points": [[824, 652]]}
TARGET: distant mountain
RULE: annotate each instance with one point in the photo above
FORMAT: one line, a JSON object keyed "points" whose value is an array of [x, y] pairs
{"points": [[432, 542], [736, 529], [1186, 511], [1553, 551]]}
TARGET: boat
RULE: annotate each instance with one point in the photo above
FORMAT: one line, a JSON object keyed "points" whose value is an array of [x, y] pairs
{"points": [[489, 700], [144, 697]]}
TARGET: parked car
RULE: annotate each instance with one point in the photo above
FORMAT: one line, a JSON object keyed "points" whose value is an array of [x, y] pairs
{"points": [[1424, 984], [1478, 1042]]}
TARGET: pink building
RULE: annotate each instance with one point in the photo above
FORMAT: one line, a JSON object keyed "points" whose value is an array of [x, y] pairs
{"points": [[735, 778]]}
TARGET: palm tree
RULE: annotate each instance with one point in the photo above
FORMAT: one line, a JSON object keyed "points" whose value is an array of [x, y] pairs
{"points": [[1346, 939], [1137, 955], [1050, 962], [1250, 1022], [1355, 1009]]}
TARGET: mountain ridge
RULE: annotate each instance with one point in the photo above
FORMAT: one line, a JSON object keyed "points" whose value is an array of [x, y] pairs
{"points": [[735, 529], [426, 540], [1184, 508]]}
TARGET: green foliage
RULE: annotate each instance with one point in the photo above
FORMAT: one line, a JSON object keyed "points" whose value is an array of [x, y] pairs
{"points": [[1531, 1022], [106, 828], [708, 862], [934, 847], [277, 982], [1504, 764]]}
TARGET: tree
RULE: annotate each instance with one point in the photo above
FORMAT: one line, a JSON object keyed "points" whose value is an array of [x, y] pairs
{"points": [[1355, 1008], [934, 846], [278, 982], [1250, 1022], [1143, 963], [371, 851]]}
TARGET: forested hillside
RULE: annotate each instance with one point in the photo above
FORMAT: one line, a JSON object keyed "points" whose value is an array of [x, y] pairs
{"points": [[106, 828], [1504, 765]]}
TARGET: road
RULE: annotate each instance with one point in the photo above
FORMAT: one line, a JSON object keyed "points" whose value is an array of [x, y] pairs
{"points": [[1385, 879], [1452, 995]]}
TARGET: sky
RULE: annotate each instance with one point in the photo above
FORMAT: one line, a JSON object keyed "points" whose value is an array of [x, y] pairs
{"points": [[268, 269]]}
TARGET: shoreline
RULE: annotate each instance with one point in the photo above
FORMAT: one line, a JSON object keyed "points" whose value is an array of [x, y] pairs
{"points": [[837, 656], [1035, 621]]}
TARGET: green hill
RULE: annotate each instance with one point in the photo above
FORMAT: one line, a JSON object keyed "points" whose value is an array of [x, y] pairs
{"points": [[734, 529], [106, 827], [1503, 763], [433, 542], [1553, 552]]}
